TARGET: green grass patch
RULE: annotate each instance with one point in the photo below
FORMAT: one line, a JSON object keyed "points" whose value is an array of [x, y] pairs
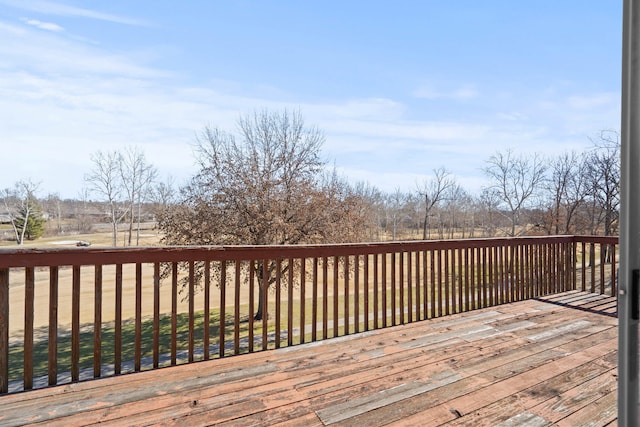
{"points": [[40, 353]]}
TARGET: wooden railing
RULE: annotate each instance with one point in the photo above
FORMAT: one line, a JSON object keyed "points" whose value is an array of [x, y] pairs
{"points": [[72, 314]]}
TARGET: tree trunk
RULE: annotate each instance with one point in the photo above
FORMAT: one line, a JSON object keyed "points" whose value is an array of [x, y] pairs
{"points": [[260, 312]]}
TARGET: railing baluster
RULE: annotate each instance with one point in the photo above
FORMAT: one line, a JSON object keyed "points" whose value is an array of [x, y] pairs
{"points": [[29, 296], [376, 304], [409, 286], [174, 313], [75, 325], [448, 291], [252, 305], [303, 300], [501, 273], [543, 269], [550, 269], [156, 315], [290, 303], [456, 289], [265, 302], [207, 311], [383, 286], [613, 271], [603, 260], [462, 296], [573, 266], [325, 297], [453, 281], [97, 321], [471, 278], [393, 289], [401, 287], [236, 308], [335, 296], [424, 283], [432, 283], [519, 287], [53, 325], [497, 271], [314, 303], [117, 334], [138, 319], [356, 293], [190, 327], [222, 322], [365, 283], [418, 286], [540, 269], [592, 264], [278, 299], [508, 273], [486, 271], [346, 295], [493, 276], [553, 262]]}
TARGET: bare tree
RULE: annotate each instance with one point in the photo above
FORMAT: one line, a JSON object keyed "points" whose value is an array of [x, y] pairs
{"points": [[84, 223], [517, 181], [373, 200], [488, 209], [164, 193], [396, 215], [54, 208], [433, 191], [603, 165], [137, 177], [266, 185], [20, 204], [455, 207], [567, 192], [105, 180]]}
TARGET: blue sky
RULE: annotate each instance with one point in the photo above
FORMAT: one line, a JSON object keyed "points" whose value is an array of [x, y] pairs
{"points": [[399, 88]]}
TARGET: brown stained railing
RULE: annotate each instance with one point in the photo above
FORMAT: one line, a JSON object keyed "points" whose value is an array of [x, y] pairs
{"points": [[86, 313]]}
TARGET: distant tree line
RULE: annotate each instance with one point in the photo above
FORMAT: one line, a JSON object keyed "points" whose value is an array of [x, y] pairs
{"points": [[527, 194], [265, 183]]}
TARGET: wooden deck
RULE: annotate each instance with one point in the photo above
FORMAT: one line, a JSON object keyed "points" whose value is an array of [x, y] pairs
{"points": [[547, 361]]}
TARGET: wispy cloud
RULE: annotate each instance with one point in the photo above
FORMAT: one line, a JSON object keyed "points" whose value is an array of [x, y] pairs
{"points": [[594, 100], [47, 53], [64, 99], [459, 93], [49, 26], [52, 8]]}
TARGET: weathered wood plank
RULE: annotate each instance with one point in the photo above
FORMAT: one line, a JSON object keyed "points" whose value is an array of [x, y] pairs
{"points": [[473, 401], [599, 413], [461, 370], [532, 400]]}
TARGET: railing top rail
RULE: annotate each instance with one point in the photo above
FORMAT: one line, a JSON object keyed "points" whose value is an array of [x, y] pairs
{"points": [[105, 256], [611, 240]]}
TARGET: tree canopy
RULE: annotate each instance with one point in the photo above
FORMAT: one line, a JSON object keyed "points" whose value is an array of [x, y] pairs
{"points": [[265, 185]]}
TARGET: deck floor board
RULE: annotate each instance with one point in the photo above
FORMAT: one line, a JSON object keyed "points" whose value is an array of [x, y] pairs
{"points": [[544, 361]]}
